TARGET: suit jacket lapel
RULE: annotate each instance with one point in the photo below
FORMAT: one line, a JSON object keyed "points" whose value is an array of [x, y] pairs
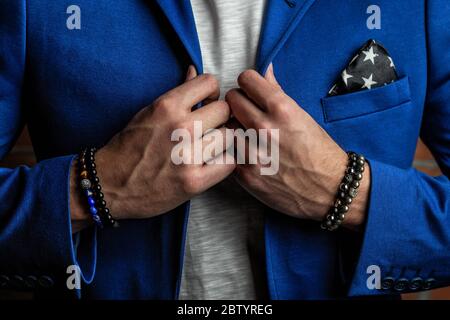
{"points": [[179, 13], [281, 18]]}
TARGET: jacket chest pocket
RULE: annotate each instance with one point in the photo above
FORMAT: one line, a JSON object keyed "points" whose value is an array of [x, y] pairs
{"points": [[381, 123], [361, 103]]}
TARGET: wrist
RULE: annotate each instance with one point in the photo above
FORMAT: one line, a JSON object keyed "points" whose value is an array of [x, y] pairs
{"points": [[327, 194], [109, 181]]}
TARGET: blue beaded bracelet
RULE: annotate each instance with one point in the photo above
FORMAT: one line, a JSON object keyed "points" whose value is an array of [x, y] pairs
{"points": [[86, 186], [92, 209], [90, 184]]}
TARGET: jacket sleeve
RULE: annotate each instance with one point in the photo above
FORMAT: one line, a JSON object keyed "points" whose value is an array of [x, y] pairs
{"points": [[408, 225], [36, 245]]}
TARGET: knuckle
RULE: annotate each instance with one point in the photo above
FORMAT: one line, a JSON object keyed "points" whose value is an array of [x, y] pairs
{"points": [[185, 125], [283, 112], [276, 101], [225, 107], [163, 102], [165, 113], [211, 80], [192, 180], [264, 124]]}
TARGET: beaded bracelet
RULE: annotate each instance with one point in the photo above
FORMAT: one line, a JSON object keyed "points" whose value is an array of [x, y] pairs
{"points": [[90, 184], [348, 190]]}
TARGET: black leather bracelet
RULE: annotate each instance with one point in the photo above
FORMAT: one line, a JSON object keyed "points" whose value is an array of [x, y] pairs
{"points": [[348, 190]]}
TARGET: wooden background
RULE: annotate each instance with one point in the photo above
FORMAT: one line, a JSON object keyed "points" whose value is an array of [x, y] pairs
{"points": [[22, 153]]}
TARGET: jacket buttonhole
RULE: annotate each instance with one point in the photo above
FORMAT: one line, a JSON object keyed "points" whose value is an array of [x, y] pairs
{"points": [[291, 3]]}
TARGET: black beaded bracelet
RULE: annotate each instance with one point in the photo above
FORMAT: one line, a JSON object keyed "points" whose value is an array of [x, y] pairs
{"points": [[90, 184], [348, 190]]}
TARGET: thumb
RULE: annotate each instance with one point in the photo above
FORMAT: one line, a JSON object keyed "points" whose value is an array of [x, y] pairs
{"points": [[191, 73], [270, 76]]}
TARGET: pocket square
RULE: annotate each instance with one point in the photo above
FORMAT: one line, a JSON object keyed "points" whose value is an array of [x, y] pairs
{"points": [[371, 67]]}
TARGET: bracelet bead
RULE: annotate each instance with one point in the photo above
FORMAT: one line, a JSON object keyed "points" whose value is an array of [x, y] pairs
{"points": [[90, 183], [353, 192], [84, 174], [93, 210], [86, 184], [347, 191], [348, 178]]}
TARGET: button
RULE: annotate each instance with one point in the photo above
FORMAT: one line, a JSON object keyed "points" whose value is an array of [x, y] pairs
{"points": [[416, 283], [46, 282], [30, 282], [4, 281], [387, 283], [17, 282], [428, 284], [401, 284]]}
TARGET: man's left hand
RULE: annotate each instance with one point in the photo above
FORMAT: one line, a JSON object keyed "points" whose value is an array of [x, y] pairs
{"points": [[311, 164]]}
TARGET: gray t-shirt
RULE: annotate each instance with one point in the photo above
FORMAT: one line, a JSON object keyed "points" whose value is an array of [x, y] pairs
{"points": [[224, 246]]}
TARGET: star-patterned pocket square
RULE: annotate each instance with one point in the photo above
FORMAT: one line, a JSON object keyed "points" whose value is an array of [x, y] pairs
{"points": [[371, 67]]}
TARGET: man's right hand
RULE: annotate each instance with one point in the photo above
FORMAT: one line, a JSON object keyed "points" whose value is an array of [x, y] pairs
{"points": [[137, 175]]}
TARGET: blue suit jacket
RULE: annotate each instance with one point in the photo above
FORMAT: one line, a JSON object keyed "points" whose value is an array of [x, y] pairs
{"points": [[79, 87]]}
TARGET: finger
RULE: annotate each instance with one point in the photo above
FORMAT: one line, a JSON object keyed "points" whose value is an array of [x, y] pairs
{"points": [[191, 73], [270, 76], [216, 171], [212, 115], [259, 89], [246, 146], [192, 92], [214, 143], [245, 111]]}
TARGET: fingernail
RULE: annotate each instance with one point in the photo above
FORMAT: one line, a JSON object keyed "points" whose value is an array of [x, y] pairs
{"points": [[269, 69], [270, 75], [190, 73]]}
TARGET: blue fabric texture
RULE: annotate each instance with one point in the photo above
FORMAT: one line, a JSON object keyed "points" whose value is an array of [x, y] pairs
{"points": [[74, 87]]}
